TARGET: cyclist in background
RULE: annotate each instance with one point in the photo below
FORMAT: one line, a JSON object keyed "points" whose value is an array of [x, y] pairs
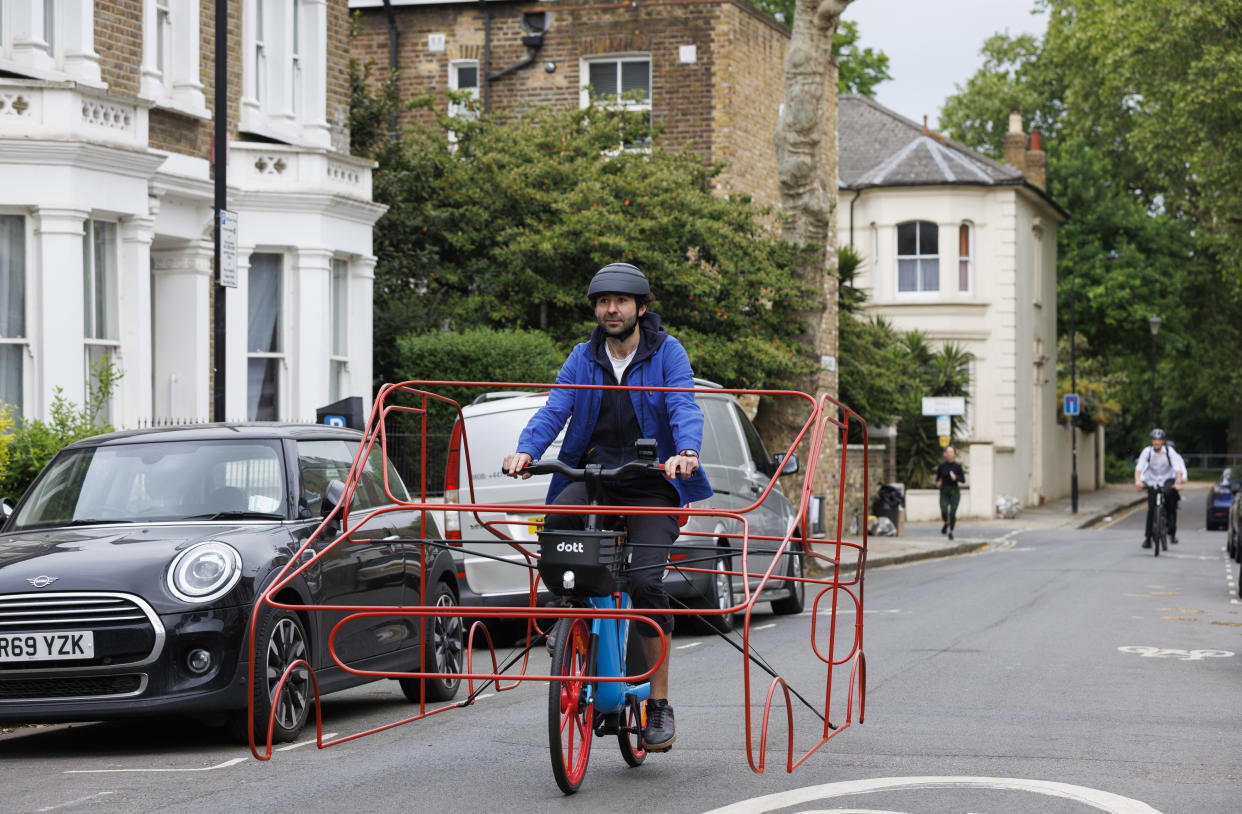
{"points": [[1160, 467], [628, 347]]}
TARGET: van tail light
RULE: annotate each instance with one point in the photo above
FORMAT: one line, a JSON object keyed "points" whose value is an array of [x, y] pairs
{"points": [[452, 470]]}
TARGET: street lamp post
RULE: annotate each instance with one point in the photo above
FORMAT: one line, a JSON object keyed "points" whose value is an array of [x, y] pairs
{"points": [[1154, 323], [1112, 255], [1073, 389]]}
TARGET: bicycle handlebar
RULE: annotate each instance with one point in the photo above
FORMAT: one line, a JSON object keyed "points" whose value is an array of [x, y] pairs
{"points": [[552, 466]]}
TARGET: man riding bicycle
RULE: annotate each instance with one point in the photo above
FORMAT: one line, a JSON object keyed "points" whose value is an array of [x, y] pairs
{"points": [[1160, 467], [628, 347]]}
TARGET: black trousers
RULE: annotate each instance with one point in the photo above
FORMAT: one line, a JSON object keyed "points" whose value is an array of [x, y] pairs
{"points": [[650, 538], [1171, 498]]}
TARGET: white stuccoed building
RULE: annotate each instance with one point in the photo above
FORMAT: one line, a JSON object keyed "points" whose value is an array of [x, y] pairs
{"points": [[106, 209], [964, 248]]}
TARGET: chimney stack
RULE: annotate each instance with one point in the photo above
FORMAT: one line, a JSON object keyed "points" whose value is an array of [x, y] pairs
{"points": [[1037, 162], [1015, 142]]}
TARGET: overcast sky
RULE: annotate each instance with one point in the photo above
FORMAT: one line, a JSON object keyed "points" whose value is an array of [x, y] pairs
{"points": [[933, 45]]}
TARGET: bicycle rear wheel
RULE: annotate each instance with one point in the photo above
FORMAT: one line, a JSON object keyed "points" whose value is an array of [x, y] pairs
{"points": [[631, 718], [570, 717]]}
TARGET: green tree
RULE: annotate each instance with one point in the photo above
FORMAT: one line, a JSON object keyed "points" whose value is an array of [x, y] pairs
{"points": [[1141, 111], [943, 371], [502, 225], [859, 69], [32, 444]]}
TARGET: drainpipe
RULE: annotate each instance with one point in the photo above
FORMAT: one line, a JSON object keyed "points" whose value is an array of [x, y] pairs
{"points": [[392, 37], [857, 192], [535, 24], [487, 57], [392, 54]]}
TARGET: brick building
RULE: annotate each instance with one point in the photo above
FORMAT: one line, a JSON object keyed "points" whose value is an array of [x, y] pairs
{"points": [[106, 207], [710, 71]]}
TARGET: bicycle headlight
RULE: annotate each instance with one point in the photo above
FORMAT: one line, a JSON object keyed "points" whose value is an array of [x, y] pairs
{"points": [[204, 572]]}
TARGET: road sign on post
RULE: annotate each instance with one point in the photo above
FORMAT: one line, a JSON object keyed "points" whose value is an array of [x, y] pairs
{"points": [[944, 405], [944, 424], [1071, 404], [228, 249]]}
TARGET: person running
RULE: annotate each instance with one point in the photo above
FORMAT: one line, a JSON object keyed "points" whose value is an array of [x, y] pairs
{"points": [[1160, 467], [949, 480], [627, 347]]}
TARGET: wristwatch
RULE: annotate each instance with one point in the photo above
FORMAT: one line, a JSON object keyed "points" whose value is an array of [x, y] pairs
{"points": [[689, 453]]}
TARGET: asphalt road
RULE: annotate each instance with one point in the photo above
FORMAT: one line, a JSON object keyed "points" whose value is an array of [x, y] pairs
{"points": [[1055, 672]]}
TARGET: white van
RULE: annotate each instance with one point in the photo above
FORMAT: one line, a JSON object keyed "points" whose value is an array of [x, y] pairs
{"points": [[733, 457]]}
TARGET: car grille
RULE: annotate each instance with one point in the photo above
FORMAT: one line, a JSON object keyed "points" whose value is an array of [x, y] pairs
{"points": [[25, 689], [126, 631]]}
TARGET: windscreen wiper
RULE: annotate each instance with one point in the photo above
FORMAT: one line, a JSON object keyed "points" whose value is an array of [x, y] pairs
{"points": [[238, 515]]}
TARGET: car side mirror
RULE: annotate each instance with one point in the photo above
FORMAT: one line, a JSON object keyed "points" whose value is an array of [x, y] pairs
{"points": [[6, 509], [333, 493], [786, 466]]}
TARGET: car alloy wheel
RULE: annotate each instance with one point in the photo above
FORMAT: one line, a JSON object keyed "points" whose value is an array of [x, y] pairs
{"points": [[444, 649]]}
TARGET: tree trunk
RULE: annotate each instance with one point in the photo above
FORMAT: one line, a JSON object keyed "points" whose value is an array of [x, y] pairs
{"points": [[806, 152]]}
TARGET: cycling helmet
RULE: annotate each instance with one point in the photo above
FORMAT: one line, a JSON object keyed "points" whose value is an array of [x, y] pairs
{"points": [[1157, 434], [619, 278]]}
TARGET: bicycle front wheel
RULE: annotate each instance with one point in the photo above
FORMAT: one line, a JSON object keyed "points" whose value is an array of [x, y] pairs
{"points": [[1159, 542], [570, 716]]}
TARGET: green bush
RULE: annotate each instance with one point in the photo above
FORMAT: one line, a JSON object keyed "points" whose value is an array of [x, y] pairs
{"points": [[479, 355], [29, 446]]}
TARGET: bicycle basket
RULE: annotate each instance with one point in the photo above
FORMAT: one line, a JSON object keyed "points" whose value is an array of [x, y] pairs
{"points": [[581, 563]]}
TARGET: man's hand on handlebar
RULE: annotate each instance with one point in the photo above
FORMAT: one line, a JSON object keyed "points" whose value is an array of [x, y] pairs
{"points": [[680, 466], [515, 465]]}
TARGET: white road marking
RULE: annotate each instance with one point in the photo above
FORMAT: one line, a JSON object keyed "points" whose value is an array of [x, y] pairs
{"points": [[223, 765], [765, 627], [327, 736], [849, 610], [687, 646], [484, 695], [1169, 653], [75, 802], [1103, 800]]}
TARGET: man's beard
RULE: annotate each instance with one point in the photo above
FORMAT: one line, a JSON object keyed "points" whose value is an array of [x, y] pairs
{"points": [[621, 333]]}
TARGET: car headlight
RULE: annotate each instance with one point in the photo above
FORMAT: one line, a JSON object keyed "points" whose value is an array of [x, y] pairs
{"points": [[204, 572]]}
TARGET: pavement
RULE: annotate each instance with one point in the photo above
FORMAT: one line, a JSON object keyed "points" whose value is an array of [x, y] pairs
{"points": [[922, 541]]}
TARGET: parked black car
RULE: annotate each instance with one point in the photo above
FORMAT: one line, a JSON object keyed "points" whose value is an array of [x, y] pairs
{"points": [[1219, 498], [129, 571]]}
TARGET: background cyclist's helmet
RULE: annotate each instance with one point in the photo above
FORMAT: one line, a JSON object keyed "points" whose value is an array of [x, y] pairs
{"points": [[1157, 434], [619, 278]]}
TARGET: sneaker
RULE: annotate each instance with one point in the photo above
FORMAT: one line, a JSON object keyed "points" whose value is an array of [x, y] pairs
{"points": [[950, 535], [1147, 543], [660, 731], [944, 529]]}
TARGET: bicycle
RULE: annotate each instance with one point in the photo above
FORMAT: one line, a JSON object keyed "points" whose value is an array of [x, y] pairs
{"points": [[1160, 536], [586, 568]]}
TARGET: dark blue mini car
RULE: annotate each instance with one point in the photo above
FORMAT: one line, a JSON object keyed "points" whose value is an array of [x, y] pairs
{"points": [[1219, 499]]}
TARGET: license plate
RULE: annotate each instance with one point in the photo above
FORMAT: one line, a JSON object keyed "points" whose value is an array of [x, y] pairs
{"points": [[535, 524], [73, 644]]}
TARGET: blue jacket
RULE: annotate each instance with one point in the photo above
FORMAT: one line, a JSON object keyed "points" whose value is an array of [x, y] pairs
{"points": [[673, 419]]}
